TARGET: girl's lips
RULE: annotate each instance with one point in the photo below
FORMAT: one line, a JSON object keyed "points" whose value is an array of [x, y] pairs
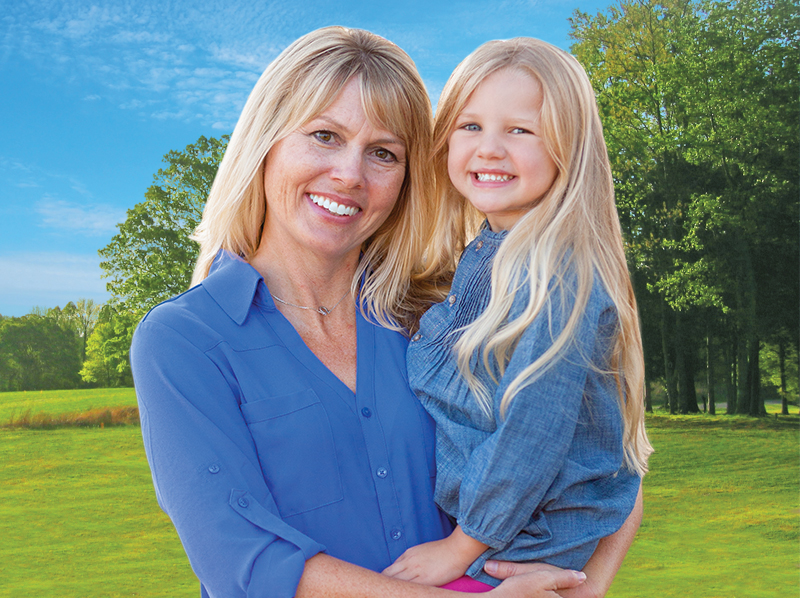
{"points": [[337, 209], [492, 177]]}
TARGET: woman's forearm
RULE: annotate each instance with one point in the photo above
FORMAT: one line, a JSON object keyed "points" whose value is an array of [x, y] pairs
{"points": [[327, 577], [608, 556]]}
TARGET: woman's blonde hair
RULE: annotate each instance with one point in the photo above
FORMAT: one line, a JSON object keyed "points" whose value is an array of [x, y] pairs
{"points": [[397, 278], [572, 233]]}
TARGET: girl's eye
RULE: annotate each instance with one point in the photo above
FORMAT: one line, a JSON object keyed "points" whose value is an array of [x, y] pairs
{"points": [[470, 127], [323, 136], [384, 155], [519, 131]]}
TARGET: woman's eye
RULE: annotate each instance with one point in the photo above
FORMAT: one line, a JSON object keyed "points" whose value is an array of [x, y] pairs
{"points": [[384, 155], [323, 136]]}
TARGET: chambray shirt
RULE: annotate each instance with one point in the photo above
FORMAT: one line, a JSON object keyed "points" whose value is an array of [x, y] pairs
{"points": [[546, 482], [262, 457]]}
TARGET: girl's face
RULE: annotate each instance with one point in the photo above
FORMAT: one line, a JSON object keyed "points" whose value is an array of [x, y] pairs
{"points": [[497, 159]]}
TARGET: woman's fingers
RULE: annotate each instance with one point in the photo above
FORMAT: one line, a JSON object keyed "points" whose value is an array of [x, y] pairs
{"points": [[506, 569], [527, 582]]}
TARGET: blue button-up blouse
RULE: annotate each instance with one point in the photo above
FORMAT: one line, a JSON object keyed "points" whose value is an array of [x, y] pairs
{"points": [[262, 457], [545, 482]]}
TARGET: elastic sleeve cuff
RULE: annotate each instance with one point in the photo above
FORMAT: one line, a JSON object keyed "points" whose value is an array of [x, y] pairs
{"points": [[491, 541]]}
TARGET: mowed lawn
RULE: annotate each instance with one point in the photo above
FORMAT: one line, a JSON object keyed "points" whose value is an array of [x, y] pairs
{"points": [[78, 515]]}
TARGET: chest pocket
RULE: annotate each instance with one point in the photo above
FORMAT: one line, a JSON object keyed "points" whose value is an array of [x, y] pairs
{"points": [[295, 446]]}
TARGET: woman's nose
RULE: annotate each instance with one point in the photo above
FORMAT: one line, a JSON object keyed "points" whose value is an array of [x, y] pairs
{"points": [[348, 167]]}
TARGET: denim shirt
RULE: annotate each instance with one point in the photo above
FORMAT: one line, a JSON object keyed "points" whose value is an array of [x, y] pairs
{"points": [[262, 457], [545, 482]]}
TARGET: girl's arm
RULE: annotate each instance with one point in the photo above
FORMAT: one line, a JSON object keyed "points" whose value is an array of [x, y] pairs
{"points": [[602, 566], [437, 563]]}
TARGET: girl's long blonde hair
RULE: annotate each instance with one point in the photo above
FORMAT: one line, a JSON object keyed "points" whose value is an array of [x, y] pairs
{"points": [[574, 229], [398, 280]]}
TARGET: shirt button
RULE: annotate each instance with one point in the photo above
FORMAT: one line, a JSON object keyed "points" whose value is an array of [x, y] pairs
{"points": [[451, 299], [244, 503], [479, 245], [382, 472], [366, 412], [213, 469], [396, 534], [417, 337]]}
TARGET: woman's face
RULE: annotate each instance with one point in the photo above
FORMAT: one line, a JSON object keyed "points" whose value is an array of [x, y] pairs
{"points": [[331, 183]]}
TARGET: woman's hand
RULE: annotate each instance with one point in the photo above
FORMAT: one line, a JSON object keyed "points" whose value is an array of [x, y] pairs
{"points": [[532, 580], [437, 563]]}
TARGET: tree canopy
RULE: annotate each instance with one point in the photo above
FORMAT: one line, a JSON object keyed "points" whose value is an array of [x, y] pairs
{"points": [[151, 258]]}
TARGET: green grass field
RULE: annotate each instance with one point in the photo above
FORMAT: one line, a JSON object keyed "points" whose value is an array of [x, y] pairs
{"points": [[78, 515]]}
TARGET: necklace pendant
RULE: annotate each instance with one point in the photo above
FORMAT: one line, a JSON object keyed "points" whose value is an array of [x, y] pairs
{"points": [[323, 310]]}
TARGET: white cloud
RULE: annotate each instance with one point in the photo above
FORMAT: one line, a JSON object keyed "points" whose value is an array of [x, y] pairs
{"points": [[48, 279], [96, 219]]}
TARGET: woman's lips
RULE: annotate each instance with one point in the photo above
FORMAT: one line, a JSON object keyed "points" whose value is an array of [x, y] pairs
{"points": [[338, 209]]}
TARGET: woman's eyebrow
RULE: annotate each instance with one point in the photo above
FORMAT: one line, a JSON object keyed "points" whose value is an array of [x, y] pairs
{"points": [[336, 124]]}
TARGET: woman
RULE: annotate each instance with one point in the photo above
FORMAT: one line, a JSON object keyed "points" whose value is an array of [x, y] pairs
{"points": [[282, 437]]}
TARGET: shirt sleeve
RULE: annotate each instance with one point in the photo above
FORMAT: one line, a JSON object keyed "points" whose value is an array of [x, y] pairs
{"points": [[508, 475], [206, 471]]}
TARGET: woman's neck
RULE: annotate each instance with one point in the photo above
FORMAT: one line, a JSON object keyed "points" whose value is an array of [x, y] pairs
{"points": [[304, 278]]}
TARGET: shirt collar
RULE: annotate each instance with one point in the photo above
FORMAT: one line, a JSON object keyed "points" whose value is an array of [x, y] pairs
{"points": [[487, 235], [233, 284]]}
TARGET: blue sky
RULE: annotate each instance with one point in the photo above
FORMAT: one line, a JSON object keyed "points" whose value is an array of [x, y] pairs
{"points": [[93, 94]]}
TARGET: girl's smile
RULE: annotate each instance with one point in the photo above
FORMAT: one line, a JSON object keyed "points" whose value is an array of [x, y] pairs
{"points": [[497, 160]]}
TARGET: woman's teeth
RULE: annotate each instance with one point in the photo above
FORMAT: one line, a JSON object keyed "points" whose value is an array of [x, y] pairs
{"points": [[482, 176], [333, 207]]}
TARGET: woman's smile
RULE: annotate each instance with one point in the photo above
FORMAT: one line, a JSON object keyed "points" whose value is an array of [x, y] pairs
{"points": [[333, 207]]}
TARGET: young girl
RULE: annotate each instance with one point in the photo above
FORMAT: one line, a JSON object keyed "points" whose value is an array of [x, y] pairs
{"points": [[532, 367]]}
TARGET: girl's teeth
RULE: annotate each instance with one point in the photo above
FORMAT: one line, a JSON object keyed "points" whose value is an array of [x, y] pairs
{"points": [[333, 207], [493, 177]]}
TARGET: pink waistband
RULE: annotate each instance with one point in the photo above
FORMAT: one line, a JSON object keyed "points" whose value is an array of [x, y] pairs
{"points": [[467, 584]]}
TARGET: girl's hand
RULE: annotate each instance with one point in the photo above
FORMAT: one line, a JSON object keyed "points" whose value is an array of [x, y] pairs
{"points": [[532, 580], [437, 563]]}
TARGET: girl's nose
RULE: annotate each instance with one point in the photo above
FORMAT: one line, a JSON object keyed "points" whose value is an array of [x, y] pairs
{"points": [[348, 168], [491, 146]]}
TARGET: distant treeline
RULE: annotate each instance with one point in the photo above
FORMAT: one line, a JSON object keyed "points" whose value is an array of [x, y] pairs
{"points": [[83, 344]]}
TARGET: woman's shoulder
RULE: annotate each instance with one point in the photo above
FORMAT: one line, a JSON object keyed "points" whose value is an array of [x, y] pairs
{"points": [[217, 308], [190, 315]]}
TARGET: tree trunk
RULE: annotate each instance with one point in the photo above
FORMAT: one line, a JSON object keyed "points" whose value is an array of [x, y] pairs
{"points": [[730, 378], [712, 395], [669, 370], [685, 368], [782, 365], [757, 408], [743, 389]]}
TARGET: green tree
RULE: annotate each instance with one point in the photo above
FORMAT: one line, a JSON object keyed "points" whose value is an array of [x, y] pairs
{"points": [[107, 352], [82, 316], [699, 104], [151, 257], [37, 353]]}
